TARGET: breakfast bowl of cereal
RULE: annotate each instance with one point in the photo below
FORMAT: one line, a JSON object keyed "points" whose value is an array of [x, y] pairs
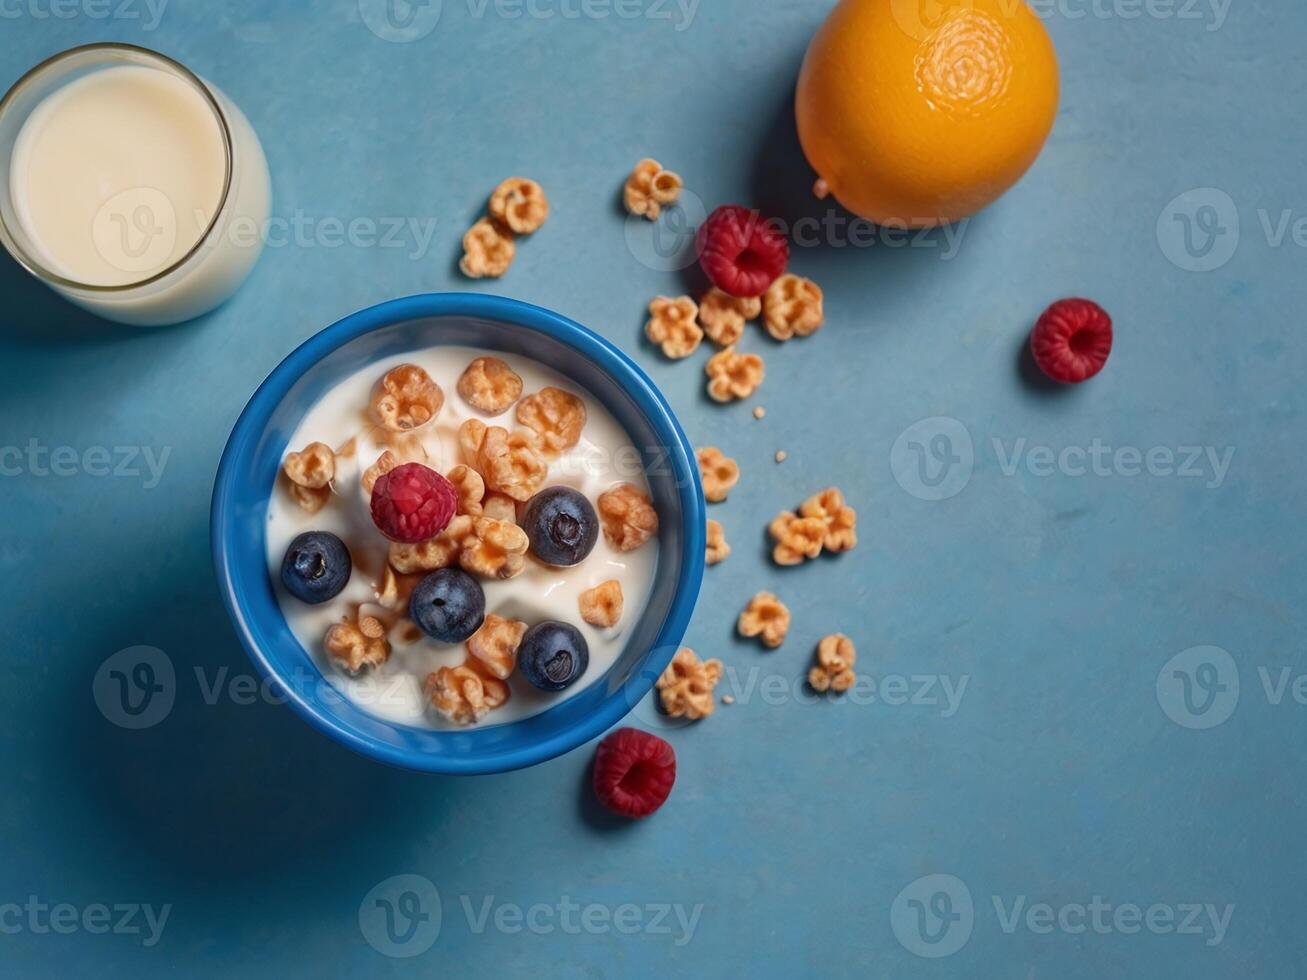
{"points": [[459, 533]]}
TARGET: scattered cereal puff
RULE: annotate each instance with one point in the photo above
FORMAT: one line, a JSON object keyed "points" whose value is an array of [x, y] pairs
{"points": [[723, 316], [489, 385], [519, 204], [840, 520], [391, 593], [313, 468], [650, 188], [499, 507], [796, 538], [494, 549], [718, 549], [793, 308], [427, 556], [310, 501], [628, 517], [488, 250], [463, 696], [509, 462], [356, 644], [495, 644], [835, 659], [686, 686], [767, 618], [602, 605], [732, 376], [470, 487], [718, 472], [672, 326], [406, 398], [556, 417]]}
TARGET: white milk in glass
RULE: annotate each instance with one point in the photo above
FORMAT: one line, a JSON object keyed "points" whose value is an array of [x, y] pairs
{"points": [[123, 183]]}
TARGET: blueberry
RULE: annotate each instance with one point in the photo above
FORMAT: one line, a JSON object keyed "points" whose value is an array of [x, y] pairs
{"points": [[317, 567], [553, 655], [448, 605], [562, 526]]}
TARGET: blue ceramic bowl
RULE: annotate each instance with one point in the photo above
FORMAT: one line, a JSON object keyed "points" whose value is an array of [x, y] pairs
{"points": [[248, 473]]}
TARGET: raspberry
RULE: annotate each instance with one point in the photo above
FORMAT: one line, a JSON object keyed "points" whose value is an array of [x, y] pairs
{"points": [[412, 503], [742, 252], [1072, 339], [634, 772]]}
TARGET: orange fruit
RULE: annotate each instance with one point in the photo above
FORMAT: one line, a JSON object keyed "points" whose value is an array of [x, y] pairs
{"points": [[922, 112]]}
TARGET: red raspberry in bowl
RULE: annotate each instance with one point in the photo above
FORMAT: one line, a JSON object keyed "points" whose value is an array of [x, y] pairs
{"points": [[742, 252], [1072, 340], [634, 772], [412, 503]]}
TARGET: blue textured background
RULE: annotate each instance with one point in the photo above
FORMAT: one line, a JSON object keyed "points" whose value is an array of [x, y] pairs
{"points": [[795, 825]]}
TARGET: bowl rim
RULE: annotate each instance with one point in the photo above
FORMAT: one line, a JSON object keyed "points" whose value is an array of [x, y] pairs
{"points": [[609, 358]]}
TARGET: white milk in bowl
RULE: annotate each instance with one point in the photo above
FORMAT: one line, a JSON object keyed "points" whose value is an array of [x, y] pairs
{"points": [[123, 180]]}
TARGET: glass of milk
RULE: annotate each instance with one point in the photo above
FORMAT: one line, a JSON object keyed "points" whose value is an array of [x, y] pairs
{"points": [[130, 185]]}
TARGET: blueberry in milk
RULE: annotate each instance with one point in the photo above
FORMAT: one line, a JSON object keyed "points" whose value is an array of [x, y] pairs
{"points": [[316, 567], [562, 526], [553, 655], [448, 605]]}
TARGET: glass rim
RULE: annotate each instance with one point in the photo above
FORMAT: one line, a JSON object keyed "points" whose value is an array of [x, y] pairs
{"points": [[39, 268]]}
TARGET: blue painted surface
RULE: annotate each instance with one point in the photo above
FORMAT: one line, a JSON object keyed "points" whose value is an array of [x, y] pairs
{"points": [[1061, 776]]}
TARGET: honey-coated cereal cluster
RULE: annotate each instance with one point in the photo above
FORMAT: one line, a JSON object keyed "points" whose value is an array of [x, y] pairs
{"points": [[718, 472], [766, 618], [650, 188], [686, 686], [518, 206]]}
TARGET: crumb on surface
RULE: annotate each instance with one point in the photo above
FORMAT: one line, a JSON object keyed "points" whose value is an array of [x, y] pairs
{"points": [[759, 412], [780, 455]]}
